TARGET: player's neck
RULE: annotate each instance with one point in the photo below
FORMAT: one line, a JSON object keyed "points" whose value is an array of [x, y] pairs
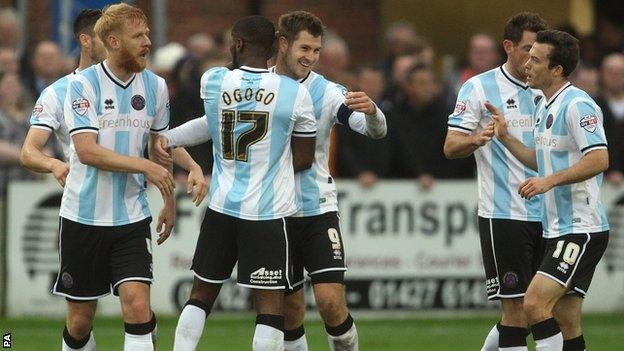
{"points": [[280, 67], [514, 72], [254, 62], [122, 73], [85, 61], [554, 88]]}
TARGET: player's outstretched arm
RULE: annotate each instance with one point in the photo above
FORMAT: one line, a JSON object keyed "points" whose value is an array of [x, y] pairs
{"points": [[524, 154], [92, 154], [461, 145], [303, 152], [33, 158]]}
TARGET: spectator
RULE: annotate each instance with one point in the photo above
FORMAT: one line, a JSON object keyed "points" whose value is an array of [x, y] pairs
{"points": [[47, 66], [8, 60], [335, 60], [586, 77], [611, 102], [14, 113], [400, 39], [10, 29], [422, 129]]}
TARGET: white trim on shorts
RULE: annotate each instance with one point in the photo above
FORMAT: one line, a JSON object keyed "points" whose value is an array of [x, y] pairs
{"points": [[287, 253], [495, 263], [328, 270], [81, 298], [140, 279], [58, 274], [213, 281], [260, 287], [298, 283], [500, 296]]}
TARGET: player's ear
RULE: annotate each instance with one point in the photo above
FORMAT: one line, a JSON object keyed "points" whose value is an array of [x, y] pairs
{"points": [[282, 43], [84, 40], [508, 46]]}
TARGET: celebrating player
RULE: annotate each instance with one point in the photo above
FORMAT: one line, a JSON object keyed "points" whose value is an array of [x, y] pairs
{"points": [[570, 155], [314, 231], [251, 115], [509, 226]]}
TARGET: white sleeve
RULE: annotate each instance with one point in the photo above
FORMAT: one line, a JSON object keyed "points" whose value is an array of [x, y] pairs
{"points": [[193, 132], [467, 114], [305, 122], [47, 112], [79, 109], [584, 122], [161, 120], [372, 126]]}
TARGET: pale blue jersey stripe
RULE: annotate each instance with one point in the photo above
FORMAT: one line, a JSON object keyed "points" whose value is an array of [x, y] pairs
{"points": [[120, 180], [92, 76], [527, 107], [563, 194], [500, 163], [123, 99], [88, 196], [541, 173], [310, 192], [211, 108], [142, 181], [464, 95], [234, 198], [77, 92], [149, 80], [60, 89], [597, 137], [280, 127]]}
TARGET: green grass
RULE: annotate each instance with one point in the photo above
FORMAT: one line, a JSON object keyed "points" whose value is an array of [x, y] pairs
{"points": [[603, 332]]}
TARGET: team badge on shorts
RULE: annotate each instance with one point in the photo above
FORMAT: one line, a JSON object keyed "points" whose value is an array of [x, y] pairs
{"points": [[138, 102], [67, 280], [510, 280]]}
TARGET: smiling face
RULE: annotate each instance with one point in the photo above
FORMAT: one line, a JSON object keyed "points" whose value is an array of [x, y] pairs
{"points": [[539, 75], [301, 55]]}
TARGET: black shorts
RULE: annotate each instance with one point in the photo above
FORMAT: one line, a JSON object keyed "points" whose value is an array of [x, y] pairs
{"points": [[512, 252], [571, 260], [260, 247], [96, 259], [316, 245]]}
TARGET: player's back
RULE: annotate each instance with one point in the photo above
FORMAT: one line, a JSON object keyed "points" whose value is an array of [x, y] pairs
{"points": [[252, 114]]}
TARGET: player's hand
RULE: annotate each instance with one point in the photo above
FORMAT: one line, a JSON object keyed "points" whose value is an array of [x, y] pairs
{"points": [[166, 220], [360, 102], [485, 135], [162, 151], [60, 170], [534, 186], [159, 176], [500, 125], [196, 184]]}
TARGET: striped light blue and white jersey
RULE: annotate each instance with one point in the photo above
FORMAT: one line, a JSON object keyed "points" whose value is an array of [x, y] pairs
{"points": [[499, 172], [48, 112], [122, 114], [567, 127], [316, 189], [252, 114]]}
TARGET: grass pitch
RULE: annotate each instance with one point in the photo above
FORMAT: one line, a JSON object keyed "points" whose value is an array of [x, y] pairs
{"points": [[604, 332]]}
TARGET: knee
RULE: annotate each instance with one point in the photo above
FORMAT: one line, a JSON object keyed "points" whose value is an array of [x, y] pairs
{"points": [[569, 322], [332, 309], [79, 325], [136, 309], [534, 310], [294, 311], [513, 312]]}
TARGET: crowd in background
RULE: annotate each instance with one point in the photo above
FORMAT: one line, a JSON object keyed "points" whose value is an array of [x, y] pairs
{"points": [[415, 88]]}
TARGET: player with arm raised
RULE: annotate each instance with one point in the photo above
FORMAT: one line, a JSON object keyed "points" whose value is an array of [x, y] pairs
{"points": [[314, 231], [509, 226], [112, 111], [570, 155], [252, 116]]}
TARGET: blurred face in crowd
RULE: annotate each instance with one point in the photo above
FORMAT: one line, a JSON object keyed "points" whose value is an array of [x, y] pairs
{"points": [[587, 78], [47, 60], [401, 40], [372, 83], [400, 67], [8, 60], [518, 53], [422, 86], [335, 58], [482, 53], [10, 89], [131, 45], [301, 55], [539, 76], [612, 73]]}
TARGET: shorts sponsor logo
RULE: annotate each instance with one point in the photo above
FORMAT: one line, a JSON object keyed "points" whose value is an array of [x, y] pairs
{"points": [[266, 276], [67, 280], [491, 285], [589, 123], [563, 267], [460, 108], [80, 106], [510, 280]]}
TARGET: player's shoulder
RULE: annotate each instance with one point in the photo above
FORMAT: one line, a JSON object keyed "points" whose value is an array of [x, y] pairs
{"points": [[487, 79], [214, 71], [579, 98], [151, 76]]}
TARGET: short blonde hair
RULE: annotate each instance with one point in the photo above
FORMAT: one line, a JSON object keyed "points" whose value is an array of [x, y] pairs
{"points": [[114, 17]]}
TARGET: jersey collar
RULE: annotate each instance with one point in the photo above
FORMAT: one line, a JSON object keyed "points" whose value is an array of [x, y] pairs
{"points": [[556, 95], [253, 69], [513, 80], [115, 80], [272, 69]]}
